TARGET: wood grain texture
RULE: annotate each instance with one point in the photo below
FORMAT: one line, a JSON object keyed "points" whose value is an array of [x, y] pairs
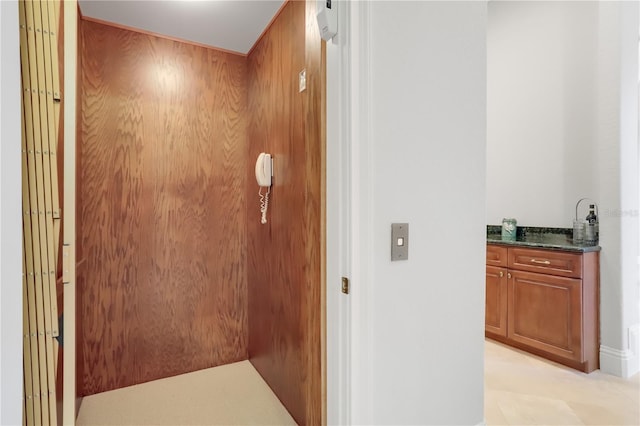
{"points": [[546, 261], [545, 312], [60, 147], [285, 255], [314, 217], [497, 256], [162, 199], [495, 319], [60, 169], [591, 311], [80, 257]]}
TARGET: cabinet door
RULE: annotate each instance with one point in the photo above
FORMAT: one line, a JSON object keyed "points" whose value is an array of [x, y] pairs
{"points": [[495, 314], [545, 313]]}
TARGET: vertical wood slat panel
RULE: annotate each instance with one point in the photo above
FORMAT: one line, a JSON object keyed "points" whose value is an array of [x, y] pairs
{"points": [[284, 268], [33, 390], [46, 139], [36, 202], [39, 231], [162, 142]]}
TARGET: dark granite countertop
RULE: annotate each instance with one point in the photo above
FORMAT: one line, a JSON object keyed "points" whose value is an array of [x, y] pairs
{"points": [[535, 237]]}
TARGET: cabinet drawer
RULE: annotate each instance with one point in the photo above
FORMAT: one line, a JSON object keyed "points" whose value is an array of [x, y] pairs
{"points": [[546, 262], [496, 255]]}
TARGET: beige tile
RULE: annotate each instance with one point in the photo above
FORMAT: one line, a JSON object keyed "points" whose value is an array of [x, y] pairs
{"points": [[521, 409], [492, 412], [592, 414], [233, 394], [521, 388]]}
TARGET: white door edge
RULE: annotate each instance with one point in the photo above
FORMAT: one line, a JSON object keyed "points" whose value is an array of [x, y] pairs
{"points": [[338, 237], [361, 164], [69, 209], [349, 219]]}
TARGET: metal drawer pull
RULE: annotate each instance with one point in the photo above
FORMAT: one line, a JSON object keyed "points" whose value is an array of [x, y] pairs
{"points": [[544, 262]]}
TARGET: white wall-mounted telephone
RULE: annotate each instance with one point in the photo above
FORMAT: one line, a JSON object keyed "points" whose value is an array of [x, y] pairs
{"points": [[263, 176]]}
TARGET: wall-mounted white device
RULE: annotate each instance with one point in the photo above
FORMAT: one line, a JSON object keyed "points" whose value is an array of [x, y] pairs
{"points": [[264, 172], [327, 18]]}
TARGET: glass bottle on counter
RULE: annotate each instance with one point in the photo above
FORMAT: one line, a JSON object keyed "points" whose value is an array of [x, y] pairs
{"points": [[509, 229], [591, 231]]}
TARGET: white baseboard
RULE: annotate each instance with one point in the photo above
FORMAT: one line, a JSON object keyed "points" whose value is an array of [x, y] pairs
{"points": [[619, 363]]}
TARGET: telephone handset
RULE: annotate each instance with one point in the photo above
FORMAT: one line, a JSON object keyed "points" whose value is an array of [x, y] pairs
{"points": [[263, 176], [263, 170]]}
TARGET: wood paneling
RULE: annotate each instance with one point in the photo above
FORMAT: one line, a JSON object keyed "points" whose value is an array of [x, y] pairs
{"points": [[546, 261], [495, 319], [162, 208], [314, 218], [285, 255], [591, 310], [496, 255], [545, 312]]}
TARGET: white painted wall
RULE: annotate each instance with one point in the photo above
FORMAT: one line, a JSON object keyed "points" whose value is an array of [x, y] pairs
{"points": [[616, 168], [10, 219], [562, 123], [419, 157], [540, 110]]}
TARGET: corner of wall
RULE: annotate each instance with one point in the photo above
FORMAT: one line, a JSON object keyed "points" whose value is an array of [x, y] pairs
{"points": [[622, 363]]}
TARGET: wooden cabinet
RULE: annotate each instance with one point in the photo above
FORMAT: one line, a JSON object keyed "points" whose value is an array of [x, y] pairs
{"points": [[495, 313], [496, 255], [544, 301], [544, 313]]}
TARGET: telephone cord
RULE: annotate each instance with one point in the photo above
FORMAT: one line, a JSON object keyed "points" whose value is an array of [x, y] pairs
{"points": [[264, 204]]}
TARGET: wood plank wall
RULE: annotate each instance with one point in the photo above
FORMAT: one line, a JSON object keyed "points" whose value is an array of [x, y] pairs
{"points": [[163, 150], [285, 255], [315, 218]]}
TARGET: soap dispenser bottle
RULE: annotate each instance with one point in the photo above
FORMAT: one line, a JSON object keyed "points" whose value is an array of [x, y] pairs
{"points": [[591, 231]]}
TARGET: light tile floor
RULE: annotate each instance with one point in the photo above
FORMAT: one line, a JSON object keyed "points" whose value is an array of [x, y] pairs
{"points": [[520, 389], [232, 394], [523, 389]]}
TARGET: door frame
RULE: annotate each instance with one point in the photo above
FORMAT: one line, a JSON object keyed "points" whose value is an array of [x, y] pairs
{"points": [[338, 206], [70, 10], [348, 247], [349, 218]]}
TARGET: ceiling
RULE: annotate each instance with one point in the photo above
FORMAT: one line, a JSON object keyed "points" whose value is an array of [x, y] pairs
{"points": [[233, 25]]}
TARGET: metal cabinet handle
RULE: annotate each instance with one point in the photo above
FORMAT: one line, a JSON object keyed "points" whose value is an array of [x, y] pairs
{"points": [[543, 262], [509, 275], [501, 274]]}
